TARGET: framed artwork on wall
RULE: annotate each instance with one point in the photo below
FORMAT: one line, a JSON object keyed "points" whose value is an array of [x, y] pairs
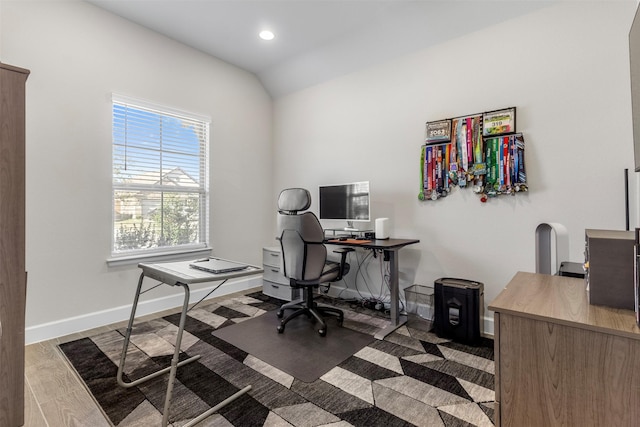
{"points": [[499, 122], [438, 132]]}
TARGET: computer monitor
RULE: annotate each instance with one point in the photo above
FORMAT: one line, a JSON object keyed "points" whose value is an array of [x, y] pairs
{"points": [[347, 202]]}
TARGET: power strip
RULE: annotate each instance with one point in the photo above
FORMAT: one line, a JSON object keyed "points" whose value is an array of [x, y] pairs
{"points": [[373, 305]]}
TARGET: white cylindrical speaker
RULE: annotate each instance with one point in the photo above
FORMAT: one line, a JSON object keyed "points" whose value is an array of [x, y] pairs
{"points": [[382, 228]]}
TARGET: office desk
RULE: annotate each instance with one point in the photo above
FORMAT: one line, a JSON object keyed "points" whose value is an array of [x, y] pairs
{"points": [[177, 274], [391, 247], [560, 360]]}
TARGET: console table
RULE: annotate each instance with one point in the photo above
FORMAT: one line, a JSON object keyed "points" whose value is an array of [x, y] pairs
{"points": [[177, 274], [390, 247], [560, 360]]}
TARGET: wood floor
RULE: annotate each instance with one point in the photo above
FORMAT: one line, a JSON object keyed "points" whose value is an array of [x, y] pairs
{"points": [[54, 396]]}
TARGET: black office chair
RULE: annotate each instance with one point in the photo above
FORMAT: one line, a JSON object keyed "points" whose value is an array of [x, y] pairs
{"points": [[304, 258]]}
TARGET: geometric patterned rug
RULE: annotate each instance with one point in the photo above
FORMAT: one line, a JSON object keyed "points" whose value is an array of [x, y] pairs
{"points": [[411, 378]]}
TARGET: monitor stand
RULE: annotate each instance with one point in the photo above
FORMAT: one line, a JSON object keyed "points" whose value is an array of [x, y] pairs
{"points": [[350, 227]]}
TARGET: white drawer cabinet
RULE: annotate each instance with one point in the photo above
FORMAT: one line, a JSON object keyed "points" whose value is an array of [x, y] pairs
{"points": [[274, 283]]}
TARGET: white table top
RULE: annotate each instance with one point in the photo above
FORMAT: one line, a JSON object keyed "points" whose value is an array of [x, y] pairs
{"points": [[173, 273]]}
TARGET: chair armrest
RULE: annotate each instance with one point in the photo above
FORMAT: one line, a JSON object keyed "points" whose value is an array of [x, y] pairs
{"points": [[343, 259]]}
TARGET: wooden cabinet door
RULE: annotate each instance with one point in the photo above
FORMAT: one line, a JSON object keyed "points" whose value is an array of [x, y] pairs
{"points": [[12, 244]]}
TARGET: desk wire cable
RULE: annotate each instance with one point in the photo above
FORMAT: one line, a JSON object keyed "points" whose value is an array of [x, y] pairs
{"points": [[373, 301], [385, 274], [359, 272], [343, 280]]}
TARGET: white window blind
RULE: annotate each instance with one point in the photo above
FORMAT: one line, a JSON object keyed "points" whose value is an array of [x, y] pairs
{"points": [[160, 176]]}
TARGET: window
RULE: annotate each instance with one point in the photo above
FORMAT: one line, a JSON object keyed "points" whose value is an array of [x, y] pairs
{"points": [[160, 175]]}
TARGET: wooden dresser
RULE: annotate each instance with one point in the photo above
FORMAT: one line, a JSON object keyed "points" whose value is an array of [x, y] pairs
{"points": [[560, 360], [12, 244]]}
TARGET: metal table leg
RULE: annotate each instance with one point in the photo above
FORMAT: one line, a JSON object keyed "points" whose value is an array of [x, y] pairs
{"points": [[174, 361]]}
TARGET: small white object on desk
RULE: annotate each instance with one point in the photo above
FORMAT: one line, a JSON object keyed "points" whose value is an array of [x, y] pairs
{"points": [[382, 228]]}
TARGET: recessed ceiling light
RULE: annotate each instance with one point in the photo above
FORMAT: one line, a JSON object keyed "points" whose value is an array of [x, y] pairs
{"points": [[266, 35]]}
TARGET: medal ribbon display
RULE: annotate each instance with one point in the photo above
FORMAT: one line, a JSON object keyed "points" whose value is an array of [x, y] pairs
{"points": [[491, 164]]}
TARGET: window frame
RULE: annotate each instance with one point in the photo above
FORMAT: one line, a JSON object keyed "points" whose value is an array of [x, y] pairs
{"points": [[195, 249]]}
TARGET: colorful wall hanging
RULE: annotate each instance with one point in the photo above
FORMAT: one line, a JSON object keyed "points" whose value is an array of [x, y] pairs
{"points": [[480, 151]]}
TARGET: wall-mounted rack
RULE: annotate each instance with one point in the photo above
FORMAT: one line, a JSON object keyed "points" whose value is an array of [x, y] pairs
{"points": [[481, 151]]}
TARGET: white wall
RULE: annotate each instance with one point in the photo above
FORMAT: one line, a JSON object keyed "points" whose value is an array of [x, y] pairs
{"points": [[565, 68], [78, 55], [567, 73]]}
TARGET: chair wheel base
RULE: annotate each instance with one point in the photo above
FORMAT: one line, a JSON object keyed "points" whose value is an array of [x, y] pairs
{"points": [[314, 312]]}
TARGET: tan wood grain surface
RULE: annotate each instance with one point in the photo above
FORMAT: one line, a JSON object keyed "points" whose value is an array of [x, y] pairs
{"points": [[552, 374], [560, 360], [562, 300], [12, 244]]}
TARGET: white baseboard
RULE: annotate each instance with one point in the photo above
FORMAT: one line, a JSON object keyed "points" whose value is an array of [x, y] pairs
{"points": [[488, 327], [347, 293], [59, 328]]}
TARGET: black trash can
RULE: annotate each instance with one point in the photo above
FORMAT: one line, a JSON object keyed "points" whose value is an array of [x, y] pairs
{"points": [[459, 307]]}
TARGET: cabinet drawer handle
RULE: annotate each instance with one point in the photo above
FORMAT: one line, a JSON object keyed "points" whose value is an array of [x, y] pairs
{"points": [[275, 286], [275, 271], [272, 254]]}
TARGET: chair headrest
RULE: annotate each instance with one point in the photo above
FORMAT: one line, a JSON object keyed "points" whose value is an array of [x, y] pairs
{"points": [[293, 200]]}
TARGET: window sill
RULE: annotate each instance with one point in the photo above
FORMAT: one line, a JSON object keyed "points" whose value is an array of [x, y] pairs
{"points": [[184, 254]]}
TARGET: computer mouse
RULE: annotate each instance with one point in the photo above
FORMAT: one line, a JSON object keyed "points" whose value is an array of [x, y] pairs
{"points": [[342, 239]]}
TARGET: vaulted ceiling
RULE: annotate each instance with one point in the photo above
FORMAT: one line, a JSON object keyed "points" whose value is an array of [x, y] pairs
{"points": [[315, 40]]}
